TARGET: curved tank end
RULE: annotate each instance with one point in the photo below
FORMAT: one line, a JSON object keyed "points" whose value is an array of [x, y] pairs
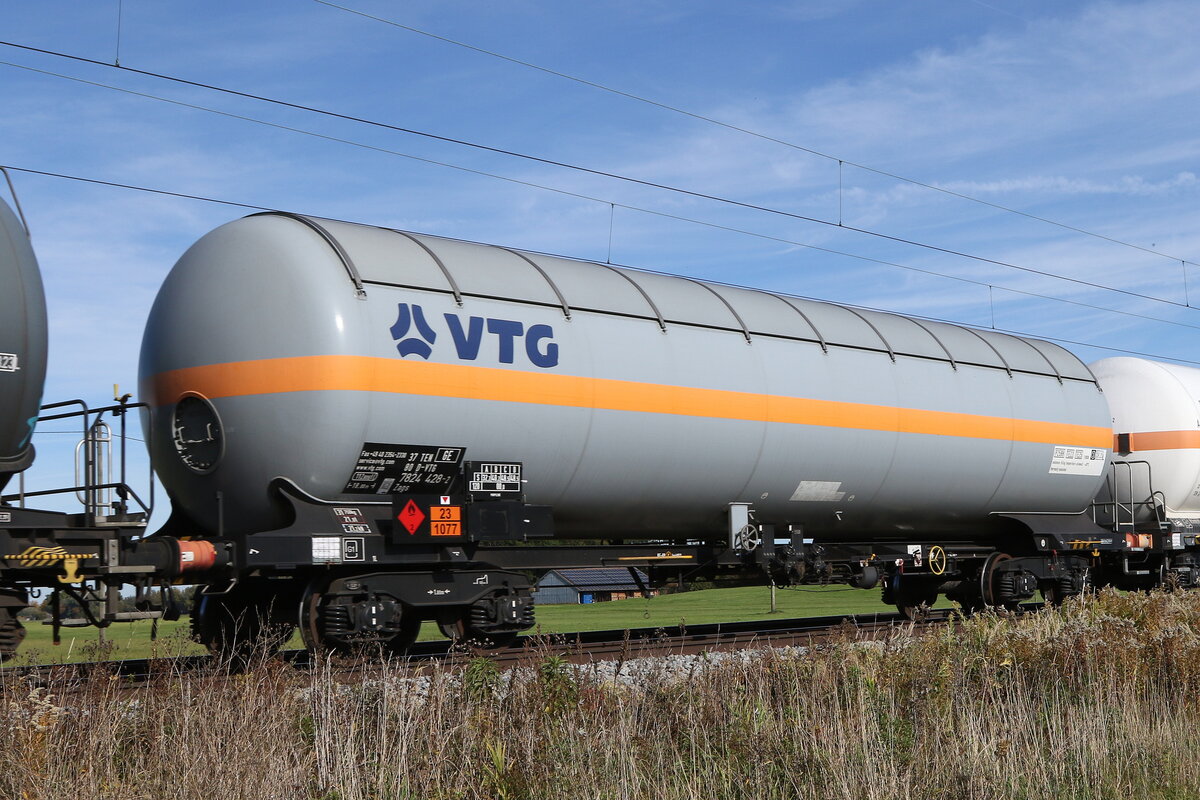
{"points": [[22, 345], [261, 293]]}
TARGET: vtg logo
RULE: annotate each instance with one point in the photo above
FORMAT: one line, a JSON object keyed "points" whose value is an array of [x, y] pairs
{"points": [[540, 348]]}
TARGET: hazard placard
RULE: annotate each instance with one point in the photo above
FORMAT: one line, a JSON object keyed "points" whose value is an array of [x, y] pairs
{"points": [[411, 517], [445, 521], [445, 513], [425, 517]]}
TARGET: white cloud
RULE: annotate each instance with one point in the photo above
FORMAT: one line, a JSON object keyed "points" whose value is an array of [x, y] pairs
{"points": [[1076, 91], [1105, 67], [1133, 185]]}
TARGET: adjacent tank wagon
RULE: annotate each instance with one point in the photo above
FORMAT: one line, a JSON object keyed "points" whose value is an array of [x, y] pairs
{"points": [[22, 345], [1155, 411]]}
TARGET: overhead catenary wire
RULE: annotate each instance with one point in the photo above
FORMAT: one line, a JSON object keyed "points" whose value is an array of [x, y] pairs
{"points": [[613, 205], [549, 162], [654, 212], [749, 132], [254, 207], [132, 187], [649, 211], [972, 281]]}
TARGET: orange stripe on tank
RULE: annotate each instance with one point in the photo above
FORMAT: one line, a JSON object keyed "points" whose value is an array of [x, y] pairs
{"points": [[367, 374], [1161, 440]]}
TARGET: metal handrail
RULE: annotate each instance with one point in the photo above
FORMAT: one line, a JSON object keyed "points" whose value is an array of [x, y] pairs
{"points": [[1117, 511], [90, 489], [118, 487]]}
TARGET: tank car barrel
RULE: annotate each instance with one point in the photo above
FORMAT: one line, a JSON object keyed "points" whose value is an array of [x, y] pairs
{"points": [[640, 404]]}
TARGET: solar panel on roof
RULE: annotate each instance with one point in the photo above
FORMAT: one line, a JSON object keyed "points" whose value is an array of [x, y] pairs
{"points": [[601, 578]]}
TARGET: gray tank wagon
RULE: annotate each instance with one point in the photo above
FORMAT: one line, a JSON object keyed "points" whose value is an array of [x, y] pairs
{"points": [[639, 404], [22, 345], [301, 373]]}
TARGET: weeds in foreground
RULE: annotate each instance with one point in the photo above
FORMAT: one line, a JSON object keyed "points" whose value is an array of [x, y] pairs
{"points": [[1098, 699]]}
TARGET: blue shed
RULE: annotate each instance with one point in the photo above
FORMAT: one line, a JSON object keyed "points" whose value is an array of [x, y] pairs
{"points": [[596, 585]]}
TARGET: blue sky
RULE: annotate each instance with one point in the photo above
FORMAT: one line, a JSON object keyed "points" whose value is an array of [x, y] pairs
{"points": [[1082, 113]]}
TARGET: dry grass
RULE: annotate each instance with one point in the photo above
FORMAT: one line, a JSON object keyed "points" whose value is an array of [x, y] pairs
{"points": [[1099, 699]]}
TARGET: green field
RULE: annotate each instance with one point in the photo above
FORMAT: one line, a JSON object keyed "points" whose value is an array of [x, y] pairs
{"points": [[713, 605], [132, 640]]}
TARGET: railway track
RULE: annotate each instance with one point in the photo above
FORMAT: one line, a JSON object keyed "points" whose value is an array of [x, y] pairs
{"points": [[578, 647], [619, 645]]}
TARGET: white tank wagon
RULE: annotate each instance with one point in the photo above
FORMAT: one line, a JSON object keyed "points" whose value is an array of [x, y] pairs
{"points": [[639, 404], [1155, 407]]}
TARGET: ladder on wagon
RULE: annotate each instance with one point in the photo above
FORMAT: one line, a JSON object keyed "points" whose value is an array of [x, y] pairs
{"points": [[1121, 511]]}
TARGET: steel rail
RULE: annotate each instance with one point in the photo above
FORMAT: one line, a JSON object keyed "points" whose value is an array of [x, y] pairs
{"points": [[577, 647]]}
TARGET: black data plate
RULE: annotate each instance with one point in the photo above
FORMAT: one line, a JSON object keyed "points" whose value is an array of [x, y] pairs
{"points": [[404, 468]]}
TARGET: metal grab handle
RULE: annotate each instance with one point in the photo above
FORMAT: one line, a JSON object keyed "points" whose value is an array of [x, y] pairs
{"points": [[97, 463]]}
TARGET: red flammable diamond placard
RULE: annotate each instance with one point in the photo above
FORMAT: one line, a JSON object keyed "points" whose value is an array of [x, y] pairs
{"points": [[411, 517]]}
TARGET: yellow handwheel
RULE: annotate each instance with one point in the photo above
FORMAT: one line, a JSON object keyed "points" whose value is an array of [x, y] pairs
{"points": [[937, 560]]}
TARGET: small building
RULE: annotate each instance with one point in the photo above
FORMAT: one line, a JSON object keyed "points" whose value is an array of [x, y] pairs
{"points": [[597, 585]]}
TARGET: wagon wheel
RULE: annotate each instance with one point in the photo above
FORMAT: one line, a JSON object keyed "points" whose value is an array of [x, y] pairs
{"points": [[410, 628], [12, 632], [1055, 595], [987, 582], [915, 607], [310, 621], [313, 634], [459, 630], [915, 612]]}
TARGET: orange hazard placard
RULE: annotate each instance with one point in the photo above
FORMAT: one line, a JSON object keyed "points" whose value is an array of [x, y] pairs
{"points": [[445, 521], [445, 528]]}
